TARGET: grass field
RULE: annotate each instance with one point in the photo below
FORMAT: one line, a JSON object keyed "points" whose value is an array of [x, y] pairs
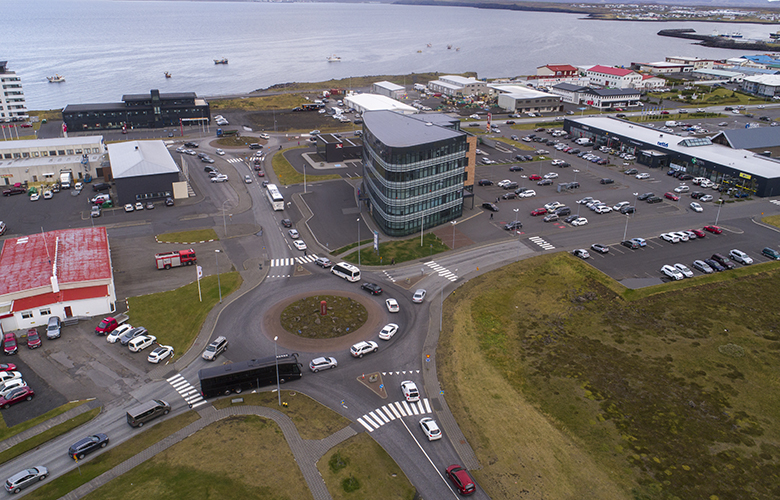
{"points": [[7, 432], [773, 220], [313, 420], [287, 175], [400, 250], [359, 469], [188, 236], [176, 317], [668, 395], [303, 318]]}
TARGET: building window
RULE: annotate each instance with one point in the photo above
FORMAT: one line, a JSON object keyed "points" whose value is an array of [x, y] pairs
{"points": [[46, 311], [27, 315]]}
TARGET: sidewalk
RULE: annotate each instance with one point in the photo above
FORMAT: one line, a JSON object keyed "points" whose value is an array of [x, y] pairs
{"points": [[306, 452]]}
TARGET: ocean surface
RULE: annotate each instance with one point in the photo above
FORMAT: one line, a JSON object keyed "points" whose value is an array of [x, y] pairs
{"points": [[107, 48]]}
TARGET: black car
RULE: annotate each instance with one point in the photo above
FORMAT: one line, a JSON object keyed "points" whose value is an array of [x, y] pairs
{"points": [[714, 265], [372, 288], [606, 181], [209, 169], [723, 261], [131, 334], [286, 222], [81, 448], [515, 168], [515, 224], [654, 199], [628, 209], [575, 151], [573, 185], [563, 211], [686, 177], [169, 202], [599, 248], [645, 196], [490, 206], [101, 186], [564, 165], [190, 144], [670, 172], [544, 182], [509, 196], [633, 245], [520, 157], [696, 195], [485, 182], [529, 157], [570, 218]]}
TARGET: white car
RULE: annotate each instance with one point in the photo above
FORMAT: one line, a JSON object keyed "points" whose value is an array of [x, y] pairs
{"points": [[670, 238], [620, 205], [643, 175], [430, 428], [388, 331], [129, 207], [392, 305], [141, 342], [418, 296], [706, 198], [220, 152], [526, 194], [293, 234], [248, 179], [6, 376], [160, 354], [503, 183], [604, 209], [322, 363], [579, 221], [684, 270], [264, 136], [585, 200], [219, 178], [47, 195], [682, 189], [113, 337], [696, 207], [672, 272], [10, 385], [35, 197], [410, 391], [551, 175], [361, 348], [557, 161], [139, 206], [299, 244], [741, 257], [581, 253], [681, 235]]}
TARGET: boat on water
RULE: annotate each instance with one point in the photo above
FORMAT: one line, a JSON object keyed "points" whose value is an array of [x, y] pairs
{"points": [[167, 75], [55, 79], [733, 34], [449, 47], [429, 45], [334, 58], [221, 61]]}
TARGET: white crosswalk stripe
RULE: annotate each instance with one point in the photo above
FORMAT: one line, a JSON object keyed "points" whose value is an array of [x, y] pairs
{"points": [[393, 411], [235, 160], [186, 391], [442, 271], [776, 202], [291, 261], [541, 242]]}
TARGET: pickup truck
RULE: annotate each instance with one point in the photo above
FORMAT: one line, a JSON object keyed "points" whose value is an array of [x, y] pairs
{"points": [[14, 190], [110, 324]]}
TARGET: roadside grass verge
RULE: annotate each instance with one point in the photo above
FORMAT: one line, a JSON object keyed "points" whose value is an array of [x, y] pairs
{"points": [[176, 317], [93, 467], [7, 432], [188, 236], [240, 457], [517, 144], [533, 126], [400, 250], [359, 468], [47, 435], [772, 220], [716, 97], [362, 81], [280, 101], [349, 247], [662, 396], [313, 420], [287, 175]]}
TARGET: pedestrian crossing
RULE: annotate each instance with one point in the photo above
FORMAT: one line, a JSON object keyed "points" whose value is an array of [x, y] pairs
{"points": [[291, 261], [234, 160], [542, 243], [186, 391], [776, 202], [387, 274], [442, 271], [385, 414]]}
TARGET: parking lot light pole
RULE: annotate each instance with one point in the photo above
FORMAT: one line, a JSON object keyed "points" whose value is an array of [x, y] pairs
{"points": [[219, 283], [276, 359], [635, 198], [720, 204], [304, 178], [625, 231], [453, 222]]}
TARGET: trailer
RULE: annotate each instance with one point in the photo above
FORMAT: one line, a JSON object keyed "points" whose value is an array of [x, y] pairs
{"points": [[175, 259]]}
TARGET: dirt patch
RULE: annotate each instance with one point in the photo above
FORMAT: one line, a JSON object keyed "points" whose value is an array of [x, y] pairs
{"points": [[304, 317]]}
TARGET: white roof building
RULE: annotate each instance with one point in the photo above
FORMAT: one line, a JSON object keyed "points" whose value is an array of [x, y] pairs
{"points": [[455, 85], [40, 160], [376, 102]]}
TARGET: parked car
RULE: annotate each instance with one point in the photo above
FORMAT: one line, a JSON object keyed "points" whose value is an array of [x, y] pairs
{"points": [[485, 182], [10, 346], [141, 342], [551, 218], [513, 225], [33, 339], [581, 253], [654, 199], [606, 181], [490, 207], [715, 265], [741, 257], [53, 327], [17, 395], [579, 221], [684, 270], [131, 334], [9, 385], [83, 447], [599, 248], [713, 229], [771, 253], [723, 261], [322, 363], [361, 348], [702, 266], [633, 245], [671, 196], [160, 354]]}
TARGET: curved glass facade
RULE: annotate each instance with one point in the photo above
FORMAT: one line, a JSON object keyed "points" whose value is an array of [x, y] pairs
{"points": [[414, 186]]}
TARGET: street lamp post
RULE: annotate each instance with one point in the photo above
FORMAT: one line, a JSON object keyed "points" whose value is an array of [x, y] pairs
{"points": [[358, 221], [219, 283], [720, 204], [635, 198], [276, 358], [453, 222], [304, 178], [625, 231]]}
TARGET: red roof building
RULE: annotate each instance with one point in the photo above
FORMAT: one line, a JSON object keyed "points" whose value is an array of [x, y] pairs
{"points": [[607, 76], [62, 273], [558, 70]]}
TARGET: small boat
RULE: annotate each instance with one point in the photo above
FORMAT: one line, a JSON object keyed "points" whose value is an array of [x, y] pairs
{"points": [[221, 61], [419, 51], [167, 75], [457, 49], [449, 47], [334, 58], [429, 45], [55, 79]]}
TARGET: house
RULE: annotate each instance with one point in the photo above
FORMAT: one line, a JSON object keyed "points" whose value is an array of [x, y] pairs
{"points": [[606, 76], [652, 82], [557, 70], [696, 62]]}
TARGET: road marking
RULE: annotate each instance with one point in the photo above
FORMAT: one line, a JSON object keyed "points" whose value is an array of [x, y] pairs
{"points": [[429, 460], [541, 242], [186, 390], [776, 202], [381, 414], [400, 408], [388, 276], [368, 428], [384, 409], [406, 407], [234, 160], [427, 406], [290, 261], [371, 421], [378, 417], [442, 271], [414, 408]]}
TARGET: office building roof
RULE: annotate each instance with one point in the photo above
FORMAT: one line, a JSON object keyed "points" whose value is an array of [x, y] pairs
{"points": [[400, 131], [377, 102], [392, 87], [559, 67], [751, 138], [521, 91], [770, 80], [569, 87]]}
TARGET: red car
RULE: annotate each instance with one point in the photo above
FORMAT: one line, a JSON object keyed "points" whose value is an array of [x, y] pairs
{"points": [[539, 211], [713, 229], [9, 344], [672, 196], [25, 125], [664, 112], [535, 177], [23, 393], [698, 232], [461, 478], [33, 339], [7, 367], [261, 174]]}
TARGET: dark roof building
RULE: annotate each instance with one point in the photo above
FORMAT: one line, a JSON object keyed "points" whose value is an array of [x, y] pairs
{"points": [[598, 98], [142, 171], [758, 139], [154, 110], [333, 148]]}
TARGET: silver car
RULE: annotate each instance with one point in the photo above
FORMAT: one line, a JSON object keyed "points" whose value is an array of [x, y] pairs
{"points": [[25, 478]]}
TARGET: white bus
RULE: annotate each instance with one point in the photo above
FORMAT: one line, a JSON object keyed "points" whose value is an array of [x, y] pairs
{"points": [[275, 197], [346, 271]]}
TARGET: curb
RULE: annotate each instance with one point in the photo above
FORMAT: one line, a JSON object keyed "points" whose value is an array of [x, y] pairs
{"points": [[184, 242]]}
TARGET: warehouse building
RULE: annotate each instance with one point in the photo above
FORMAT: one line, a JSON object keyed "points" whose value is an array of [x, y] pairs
{"points": [[143, 171], [457, 86], [762, 140], [376, 102], [42, 160], [763, 85], [388, 89], [521, 99]]}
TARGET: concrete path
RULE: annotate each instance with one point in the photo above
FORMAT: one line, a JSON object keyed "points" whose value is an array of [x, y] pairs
{"points": [[306, 452]]}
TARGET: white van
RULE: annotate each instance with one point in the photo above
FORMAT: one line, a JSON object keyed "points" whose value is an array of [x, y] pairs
{"points": [[584, 141], [671, 123]]}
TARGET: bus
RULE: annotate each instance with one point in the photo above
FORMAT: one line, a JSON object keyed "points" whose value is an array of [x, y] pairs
{"points": [[346, 271], [245, 375], [275, 197]]}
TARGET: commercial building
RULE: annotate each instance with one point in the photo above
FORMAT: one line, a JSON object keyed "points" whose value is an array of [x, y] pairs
{"points": [[557, 70], [333, 149], [13, 107], [454, 85], [42, 160], [763, 85], [521, 99], [142, 171], [696, 62], [619, 78], [57, 273], [598, 98], [415, 169], [762, 140], [154, 110], [662, 68], [388, 89], [652, 82], [740, 169], [376, 102], [718, 74]]}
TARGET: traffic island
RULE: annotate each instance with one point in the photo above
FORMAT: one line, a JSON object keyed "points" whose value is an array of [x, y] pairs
{"points": [[323, 316], [374, 382]]}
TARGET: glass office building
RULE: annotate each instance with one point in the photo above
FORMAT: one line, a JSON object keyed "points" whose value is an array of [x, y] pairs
{"points": [[413, 170]]}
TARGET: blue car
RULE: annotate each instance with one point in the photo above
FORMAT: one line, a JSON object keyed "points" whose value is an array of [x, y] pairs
{"points": [[640, 241]]}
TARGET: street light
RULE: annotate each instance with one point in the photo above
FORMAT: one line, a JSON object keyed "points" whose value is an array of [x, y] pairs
{"points": [[635, 198], [453, 222], [276, 359], [625, 231], [304, 178], [720, 204], [219, 283], [358, 221]]}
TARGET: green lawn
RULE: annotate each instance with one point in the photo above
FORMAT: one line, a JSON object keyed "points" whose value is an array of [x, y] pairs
{"points": [[400, 250], [188, 236], [176, 317], [287, 175], [773, 220], [667, 392], [350, 246], [7, 432]]}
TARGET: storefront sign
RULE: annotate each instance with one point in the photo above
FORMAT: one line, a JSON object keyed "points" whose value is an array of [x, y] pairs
{"points": [[745, 176], [663, 144]]}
